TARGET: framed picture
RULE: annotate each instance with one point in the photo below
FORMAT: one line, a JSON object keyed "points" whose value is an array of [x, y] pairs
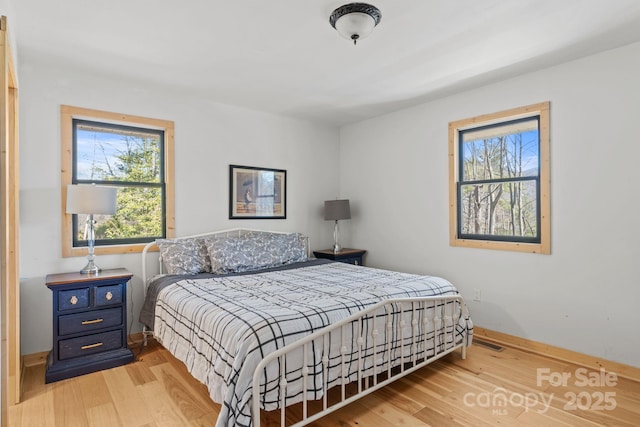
{"points": [[257, 193]]}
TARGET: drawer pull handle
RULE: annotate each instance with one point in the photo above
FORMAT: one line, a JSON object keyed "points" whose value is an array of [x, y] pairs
{"points": [[91, 322], [87, 347], [73, 300], [109, 296]]}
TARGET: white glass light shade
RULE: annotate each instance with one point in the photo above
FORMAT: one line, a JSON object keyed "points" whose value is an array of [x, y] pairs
{"points": [[355, 21], [355, 24], [91, 199]]}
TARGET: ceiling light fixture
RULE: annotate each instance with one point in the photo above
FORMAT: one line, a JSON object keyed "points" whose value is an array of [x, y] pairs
{"points": [[355, 21]]}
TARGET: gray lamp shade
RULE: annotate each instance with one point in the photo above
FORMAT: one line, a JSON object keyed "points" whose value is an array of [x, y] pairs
{"points": [[91, 199], [335, 210]]}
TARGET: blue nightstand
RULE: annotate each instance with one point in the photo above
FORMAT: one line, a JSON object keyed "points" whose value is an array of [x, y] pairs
{"points": [[89, 323]]}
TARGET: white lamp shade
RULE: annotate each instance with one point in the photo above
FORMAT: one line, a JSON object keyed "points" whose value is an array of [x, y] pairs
{"points": [[91, 199], [335, 210], [358, 23]]}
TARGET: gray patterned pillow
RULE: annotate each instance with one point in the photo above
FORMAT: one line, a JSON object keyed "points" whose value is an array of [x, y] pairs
{"points": [[203, 254], [255, 251], [184, 256]]}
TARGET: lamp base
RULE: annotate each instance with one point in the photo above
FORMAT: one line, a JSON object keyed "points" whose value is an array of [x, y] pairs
{"points": [[90, 268], [336, 237]]}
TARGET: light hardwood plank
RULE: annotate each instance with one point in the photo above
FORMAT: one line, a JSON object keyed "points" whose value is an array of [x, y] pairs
{"points": [[157, 391], [190, 404], [129, 403], [134, 412], [119, 385], [103, 416], [94, 390], [141, 373], [37, 402], [68, 404], [163, 411], [377, 404]]}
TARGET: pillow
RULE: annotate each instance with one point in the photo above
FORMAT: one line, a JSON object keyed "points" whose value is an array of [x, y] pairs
{"points": [[184, 256], [203, 255], [254, 251]]}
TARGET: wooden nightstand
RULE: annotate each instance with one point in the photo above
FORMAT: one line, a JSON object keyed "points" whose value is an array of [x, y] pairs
{"points": [[89, 323], [349, 256]]}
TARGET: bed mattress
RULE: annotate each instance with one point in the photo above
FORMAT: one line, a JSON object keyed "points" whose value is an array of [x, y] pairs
{"points": [[222, 326]]}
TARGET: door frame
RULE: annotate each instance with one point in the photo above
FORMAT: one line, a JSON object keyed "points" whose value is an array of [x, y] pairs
{"points": [[9, 226]]}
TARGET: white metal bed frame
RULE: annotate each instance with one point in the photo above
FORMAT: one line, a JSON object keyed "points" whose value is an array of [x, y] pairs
{"points": [[445, 312], [442, 312]]}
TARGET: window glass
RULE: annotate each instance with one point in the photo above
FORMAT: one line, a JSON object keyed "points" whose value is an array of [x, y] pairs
{"points": [[129, 158], [498, 191]]}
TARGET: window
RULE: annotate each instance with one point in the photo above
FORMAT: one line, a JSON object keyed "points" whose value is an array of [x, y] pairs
{"points": [[499, 180], [133, 154]]}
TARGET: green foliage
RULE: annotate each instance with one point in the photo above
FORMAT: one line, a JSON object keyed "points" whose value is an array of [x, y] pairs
{"points": [[140, 204], [139, 215]]}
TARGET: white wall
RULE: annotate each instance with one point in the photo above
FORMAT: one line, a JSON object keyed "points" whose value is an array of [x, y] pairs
{"points": [[585, 295], [208, 137]]}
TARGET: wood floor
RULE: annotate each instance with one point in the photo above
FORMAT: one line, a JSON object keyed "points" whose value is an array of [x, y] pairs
{"points": [[507, 388]]}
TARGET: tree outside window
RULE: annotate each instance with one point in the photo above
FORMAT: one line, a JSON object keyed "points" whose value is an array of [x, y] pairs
{"points": [[499, 184], [130, 159]]}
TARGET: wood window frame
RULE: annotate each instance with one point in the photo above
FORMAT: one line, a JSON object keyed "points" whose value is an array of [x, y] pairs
{"points": [[67, 114], [541, 110]]}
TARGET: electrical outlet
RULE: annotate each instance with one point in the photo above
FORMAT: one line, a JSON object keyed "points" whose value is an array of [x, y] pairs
{"points": [[477, 294]]}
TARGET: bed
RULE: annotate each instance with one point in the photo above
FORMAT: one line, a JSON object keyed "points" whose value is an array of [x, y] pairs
{"points": [[265, 327]]}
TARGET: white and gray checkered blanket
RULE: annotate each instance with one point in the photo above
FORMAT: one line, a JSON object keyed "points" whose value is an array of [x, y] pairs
{"points": [[222, 327]]}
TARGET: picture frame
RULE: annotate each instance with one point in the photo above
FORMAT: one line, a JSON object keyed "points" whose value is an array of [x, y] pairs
{"points": [[257, 193]]}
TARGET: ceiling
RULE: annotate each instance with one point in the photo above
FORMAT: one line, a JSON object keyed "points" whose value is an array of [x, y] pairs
{"points": [[283, 56]]}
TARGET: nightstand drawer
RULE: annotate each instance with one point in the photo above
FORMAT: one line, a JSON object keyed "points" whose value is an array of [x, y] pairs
{"points": [[73, 299], [108, 295], [89, 321], [353, 260], [347, 256], [90, 344]]}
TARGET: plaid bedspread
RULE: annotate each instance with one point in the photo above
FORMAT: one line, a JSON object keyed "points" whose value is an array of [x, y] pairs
{"points": [[221, 327]]}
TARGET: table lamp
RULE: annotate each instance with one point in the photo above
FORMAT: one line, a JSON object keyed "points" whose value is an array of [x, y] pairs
{"points": [[91, 200], [335, 210]]}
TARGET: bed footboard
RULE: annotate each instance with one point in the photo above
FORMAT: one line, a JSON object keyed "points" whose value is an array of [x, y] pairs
{"points": [[367, 350]]}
